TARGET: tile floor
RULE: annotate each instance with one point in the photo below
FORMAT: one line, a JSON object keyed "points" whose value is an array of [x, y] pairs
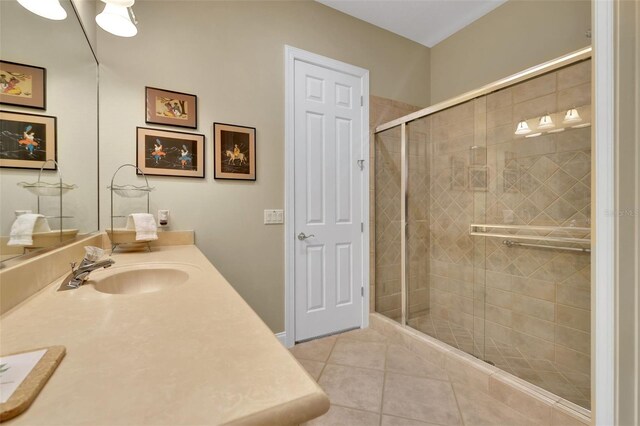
{"points": [[570, 385], [373, 382]]}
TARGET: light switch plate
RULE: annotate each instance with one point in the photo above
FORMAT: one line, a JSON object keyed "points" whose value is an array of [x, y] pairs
{"points": [[273, 217]]}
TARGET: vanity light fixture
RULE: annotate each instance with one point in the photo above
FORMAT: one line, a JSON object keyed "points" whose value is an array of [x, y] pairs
{"points": [[533, 135], [572, 116], [117, 18], [545, 122], [523, 128], [50, 9], [580, 126]]}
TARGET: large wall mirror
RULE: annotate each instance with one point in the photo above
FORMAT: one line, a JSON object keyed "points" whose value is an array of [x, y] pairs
{"points": [[49, 95]]}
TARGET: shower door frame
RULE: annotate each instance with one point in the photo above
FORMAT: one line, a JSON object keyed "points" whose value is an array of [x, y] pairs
{"points": [[563, 61]]}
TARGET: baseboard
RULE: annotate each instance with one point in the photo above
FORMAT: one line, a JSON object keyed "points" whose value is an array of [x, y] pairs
{"points": [[282, 337]]}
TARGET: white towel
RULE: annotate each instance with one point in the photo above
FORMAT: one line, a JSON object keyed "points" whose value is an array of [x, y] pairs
{"points": [[23, 228], [145, 226]]}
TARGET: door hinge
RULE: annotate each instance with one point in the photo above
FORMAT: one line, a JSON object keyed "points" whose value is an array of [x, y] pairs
{"points": [[360, 164], [361, 100], [362, 291], [361, 226]]}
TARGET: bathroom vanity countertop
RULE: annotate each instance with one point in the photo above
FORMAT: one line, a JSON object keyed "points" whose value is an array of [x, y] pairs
{"points": [[193, 354]]}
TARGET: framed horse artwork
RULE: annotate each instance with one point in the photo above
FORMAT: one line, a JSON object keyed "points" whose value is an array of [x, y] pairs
{"points": [[234, 152]]}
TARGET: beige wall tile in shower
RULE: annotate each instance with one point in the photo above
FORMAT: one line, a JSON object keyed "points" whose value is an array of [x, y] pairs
{"points": [[499, 99], [534, 88], [576, 318], [574, 97], [573, 296], [533, 326], [499, 117], [574, 339], [535, 107], [539, 289], [573, 360], [574, 75], [538, 308]]}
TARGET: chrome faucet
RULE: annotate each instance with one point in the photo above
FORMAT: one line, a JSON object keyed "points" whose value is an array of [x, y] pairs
{"points": [[79, 275]]}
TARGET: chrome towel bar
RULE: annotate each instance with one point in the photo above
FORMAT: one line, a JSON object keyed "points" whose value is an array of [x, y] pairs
{"points": [[510, 243]]}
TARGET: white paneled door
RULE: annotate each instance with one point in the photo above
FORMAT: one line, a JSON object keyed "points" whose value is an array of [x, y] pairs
{"points": [[328, 200]]}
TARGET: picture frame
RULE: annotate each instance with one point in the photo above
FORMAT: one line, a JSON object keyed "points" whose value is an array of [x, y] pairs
{"points": [[234, 152], [27, 141], [23, 85], [170, 108], [169, 153]]}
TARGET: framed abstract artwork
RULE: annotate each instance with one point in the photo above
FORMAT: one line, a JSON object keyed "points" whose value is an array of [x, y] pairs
{"points": [[23, 85], [170, 153], [27, 140], [171, 108], [234, 152]]}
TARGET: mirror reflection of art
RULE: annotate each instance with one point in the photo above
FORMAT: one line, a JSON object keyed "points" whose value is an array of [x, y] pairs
{"points": [[22, 85], [234, 152], [27, 140], [171, 108], [169, 153], [478, 178]]}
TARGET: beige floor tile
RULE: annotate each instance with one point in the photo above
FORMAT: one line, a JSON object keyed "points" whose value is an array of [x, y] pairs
{"points": [[314, 368], [315, 350], [338, 415], [353, 387], [359, 354], [401, 360], [478, 408], [364, 334], [421, 399], [399, 421]]}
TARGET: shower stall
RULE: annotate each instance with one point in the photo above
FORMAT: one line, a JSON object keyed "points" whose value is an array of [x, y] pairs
{"points": [[482, 224]]}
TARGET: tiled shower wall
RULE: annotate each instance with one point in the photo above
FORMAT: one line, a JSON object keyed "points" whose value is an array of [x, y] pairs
{"points": [[526, 309], [385, 191]]}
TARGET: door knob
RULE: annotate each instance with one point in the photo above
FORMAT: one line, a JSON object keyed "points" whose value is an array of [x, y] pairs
{"points": [[303, 237]]}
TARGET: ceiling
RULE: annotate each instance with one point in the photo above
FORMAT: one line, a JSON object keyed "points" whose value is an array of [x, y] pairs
{"points": [[427, 22]]}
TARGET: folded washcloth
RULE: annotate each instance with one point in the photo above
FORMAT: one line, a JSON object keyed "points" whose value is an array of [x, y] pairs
{"points": [[23, 228], [145, 226]]}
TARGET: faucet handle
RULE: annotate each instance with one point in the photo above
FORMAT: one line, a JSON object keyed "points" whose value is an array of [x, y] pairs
{"points": [[73, 265]]}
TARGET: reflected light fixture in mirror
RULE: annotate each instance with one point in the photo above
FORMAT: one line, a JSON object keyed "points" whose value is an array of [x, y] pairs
{"points": [[50, 9], [116, 18], [545, 122], [523, 128]]}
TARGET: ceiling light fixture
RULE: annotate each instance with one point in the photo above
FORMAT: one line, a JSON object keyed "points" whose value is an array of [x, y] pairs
{"points": [[50, 9], [545, 122], [523, 128], [572, 116], [117, 18]]}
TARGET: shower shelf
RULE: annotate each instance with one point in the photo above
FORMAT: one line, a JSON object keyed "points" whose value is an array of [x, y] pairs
{"points": [[534, 233]]}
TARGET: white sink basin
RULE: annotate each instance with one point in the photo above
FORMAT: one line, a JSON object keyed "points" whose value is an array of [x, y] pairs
{"points": [[143, 278]]}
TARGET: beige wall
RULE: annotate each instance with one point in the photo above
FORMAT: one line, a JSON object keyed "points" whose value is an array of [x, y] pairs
{"points": [[231, 54], [515, 36], [628, 207]]}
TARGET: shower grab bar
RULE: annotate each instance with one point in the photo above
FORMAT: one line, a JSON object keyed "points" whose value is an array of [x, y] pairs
{"points": [[510, 243], [482, 231]]}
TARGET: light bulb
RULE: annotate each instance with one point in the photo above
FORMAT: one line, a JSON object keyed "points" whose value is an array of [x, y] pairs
{"points": [[50, 9], [572, 116], [523, 128], [545, 122], [115, 19]]}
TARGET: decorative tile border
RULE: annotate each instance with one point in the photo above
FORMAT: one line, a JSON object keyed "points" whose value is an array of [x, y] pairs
{"points": [[539, 405]]}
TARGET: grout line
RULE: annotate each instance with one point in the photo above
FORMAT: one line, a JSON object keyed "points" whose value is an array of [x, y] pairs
{"points": [[384, 382]]}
